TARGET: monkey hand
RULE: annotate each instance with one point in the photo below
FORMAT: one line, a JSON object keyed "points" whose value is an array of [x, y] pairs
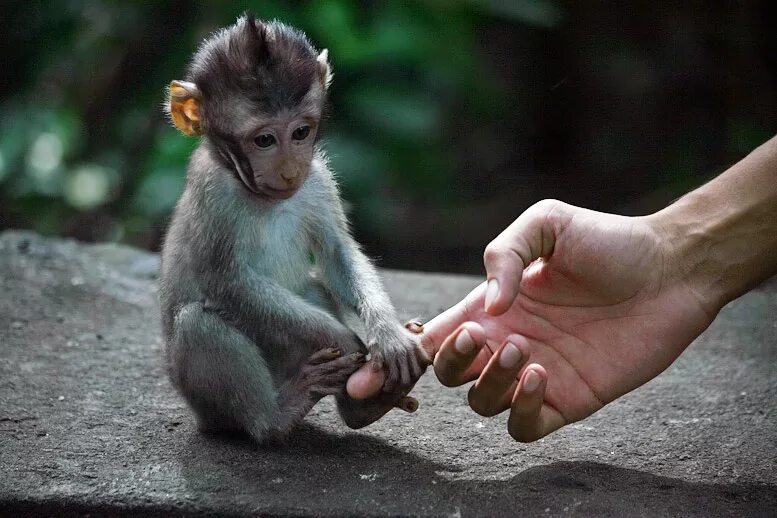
{"points": [[403, 360], [368, 381]]}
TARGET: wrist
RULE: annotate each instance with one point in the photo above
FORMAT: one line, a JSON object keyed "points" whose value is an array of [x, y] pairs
{"points": [[383, 335], [689, 237], [721, 239]]}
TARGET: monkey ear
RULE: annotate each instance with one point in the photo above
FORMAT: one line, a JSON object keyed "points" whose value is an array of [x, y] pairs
{"points": [[183, 105], [324, 69]]}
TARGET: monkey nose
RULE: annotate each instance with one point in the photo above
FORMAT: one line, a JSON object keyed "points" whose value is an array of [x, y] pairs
{"points": [[290, 178]]}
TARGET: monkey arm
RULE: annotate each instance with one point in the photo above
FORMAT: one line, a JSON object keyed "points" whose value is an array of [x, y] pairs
{"points": [[354, 281], [265, 305], [352, 278]]}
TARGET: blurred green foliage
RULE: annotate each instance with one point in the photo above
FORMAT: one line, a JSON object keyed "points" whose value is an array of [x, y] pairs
{"points": [[447, 117], [85, 149]]}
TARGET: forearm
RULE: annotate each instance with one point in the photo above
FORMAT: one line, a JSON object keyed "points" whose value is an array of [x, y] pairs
{"points": [[356, 283], [264, 304], [354, 280], [722, 237], [375, 308]]}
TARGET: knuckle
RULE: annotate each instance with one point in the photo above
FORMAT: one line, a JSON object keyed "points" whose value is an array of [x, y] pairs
{"points": [[545, 205], [493, 253]]}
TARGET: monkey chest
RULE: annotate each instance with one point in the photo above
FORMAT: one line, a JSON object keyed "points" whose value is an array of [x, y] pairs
{"points": [[282, 252]]}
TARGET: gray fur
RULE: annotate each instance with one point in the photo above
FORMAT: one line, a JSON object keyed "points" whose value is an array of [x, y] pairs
{"points": [[241, 312], [253, 340]]}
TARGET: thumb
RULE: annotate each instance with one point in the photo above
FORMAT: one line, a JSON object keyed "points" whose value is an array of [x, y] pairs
{"points": [[366, 382], [531, 236]]}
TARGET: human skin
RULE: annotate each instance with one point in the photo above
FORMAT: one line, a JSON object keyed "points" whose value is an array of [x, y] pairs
{"points": [[581, 307]]}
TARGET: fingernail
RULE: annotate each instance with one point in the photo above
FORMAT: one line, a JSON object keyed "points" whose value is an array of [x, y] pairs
{"points": [[510, 357], [492, 291], [532, 381], [464, 343], [375, 367]]}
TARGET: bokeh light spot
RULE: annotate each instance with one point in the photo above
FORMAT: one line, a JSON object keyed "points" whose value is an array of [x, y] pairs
{"points": [[45, 156], [88, 186]]}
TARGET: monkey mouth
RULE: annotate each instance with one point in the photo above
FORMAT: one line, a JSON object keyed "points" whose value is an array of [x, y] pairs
{"points": [[278, 194]]}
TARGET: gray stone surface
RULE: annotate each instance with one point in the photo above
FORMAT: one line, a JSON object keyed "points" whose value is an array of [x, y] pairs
{"points": [[89, 423]]}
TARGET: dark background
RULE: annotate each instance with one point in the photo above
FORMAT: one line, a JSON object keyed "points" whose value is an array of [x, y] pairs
{"points": [[449, 118]]}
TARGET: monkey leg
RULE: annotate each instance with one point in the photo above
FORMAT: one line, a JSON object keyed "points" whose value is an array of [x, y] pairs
{"points": [[222, 374], [360, 413], [226, 381], [325, 373]]}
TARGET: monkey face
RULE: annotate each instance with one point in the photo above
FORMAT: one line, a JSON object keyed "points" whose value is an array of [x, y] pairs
{"points": [[280, 152], [280, 149], [272, 152]]}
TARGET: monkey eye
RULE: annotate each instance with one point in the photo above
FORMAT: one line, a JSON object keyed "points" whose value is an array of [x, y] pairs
{"points": [[301, 133], [265, 140]]}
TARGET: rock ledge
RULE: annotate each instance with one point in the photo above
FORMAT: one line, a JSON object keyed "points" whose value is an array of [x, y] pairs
{"points": [[90, 425]]}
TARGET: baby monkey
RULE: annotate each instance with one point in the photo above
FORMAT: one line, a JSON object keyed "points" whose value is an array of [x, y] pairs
{"points": [[258, 266]]}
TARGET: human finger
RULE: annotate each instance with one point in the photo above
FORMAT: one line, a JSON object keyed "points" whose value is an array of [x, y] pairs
{"points": [[367, 381], [531, 236], [437, 330], [531, 418], [493, 391], [456, 362]]}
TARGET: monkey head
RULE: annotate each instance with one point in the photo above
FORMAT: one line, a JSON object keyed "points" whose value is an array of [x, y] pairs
{"points": [[256, 91]]}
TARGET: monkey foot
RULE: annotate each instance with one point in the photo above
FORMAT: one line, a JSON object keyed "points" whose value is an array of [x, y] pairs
{"points": [[327, 371]]}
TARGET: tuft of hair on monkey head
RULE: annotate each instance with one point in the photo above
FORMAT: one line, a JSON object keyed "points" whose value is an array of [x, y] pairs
{"points": [[256, 90]]}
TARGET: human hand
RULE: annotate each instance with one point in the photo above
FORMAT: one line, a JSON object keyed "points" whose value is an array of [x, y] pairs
{"points": [[598, 311], [591, 301]]}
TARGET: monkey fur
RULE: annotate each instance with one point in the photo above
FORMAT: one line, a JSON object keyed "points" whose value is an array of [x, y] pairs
{"points": [[258, 264]]}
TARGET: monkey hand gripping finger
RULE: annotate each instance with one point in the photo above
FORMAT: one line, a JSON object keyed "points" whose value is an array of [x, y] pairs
{"points": [[371, 379]]}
